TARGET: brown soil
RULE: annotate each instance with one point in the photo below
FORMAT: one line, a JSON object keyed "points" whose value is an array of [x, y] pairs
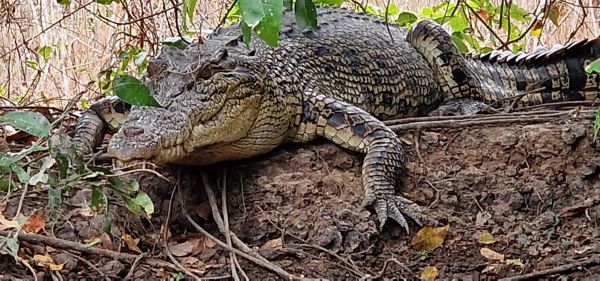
{"points": [[535, 188]]}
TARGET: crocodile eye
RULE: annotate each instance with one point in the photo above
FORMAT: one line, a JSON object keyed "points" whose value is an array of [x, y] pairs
{"points": [[206, 72]]}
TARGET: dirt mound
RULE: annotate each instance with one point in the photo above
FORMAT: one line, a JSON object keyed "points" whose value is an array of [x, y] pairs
{"points": [[534, 188]]}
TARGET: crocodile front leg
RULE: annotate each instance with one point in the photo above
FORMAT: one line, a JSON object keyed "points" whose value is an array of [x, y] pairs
{"points": [[357, 130]]}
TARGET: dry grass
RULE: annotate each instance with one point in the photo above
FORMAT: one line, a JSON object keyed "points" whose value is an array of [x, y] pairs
{"points": [[86, 36]]}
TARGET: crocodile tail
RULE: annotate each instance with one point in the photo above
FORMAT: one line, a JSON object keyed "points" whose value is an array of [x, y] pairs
{"points": [[501, 78], [545, 76]]}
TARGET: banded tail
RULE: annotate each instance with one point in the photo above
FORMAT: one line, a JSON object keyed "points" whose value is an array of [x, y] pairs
{"points": [[501, 78]]}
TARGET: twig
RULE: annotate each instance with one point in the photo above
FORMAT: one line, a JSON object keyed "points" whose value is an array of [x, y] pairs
{"points": [[92, 266], [26, 264], [268, 265], [227, 234], [165, 226], [133, 267], [558, 269], [453, 123], [69, 245]]}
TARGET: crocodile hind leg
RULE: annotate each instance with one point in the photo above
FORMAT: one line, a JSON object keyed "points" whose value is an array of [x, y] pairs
{"points": [[357, 130]]}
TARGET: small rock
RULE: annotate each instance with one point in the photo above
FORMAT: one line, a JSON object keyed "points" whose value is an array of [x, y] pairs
{"points": [[70, 263], [112, 268], [587, 170], [545, 220], [431, 137], [511, 170], [329, 237]]}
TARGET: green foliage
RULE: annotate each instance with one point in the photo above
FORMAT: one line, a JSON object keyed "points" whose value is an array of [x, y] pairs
{"points": [[593, 67], [263, 17], [33, 123], [306, 14], [52, 161], [46, 52], [133, 91], [177, 42], [189, 7]]}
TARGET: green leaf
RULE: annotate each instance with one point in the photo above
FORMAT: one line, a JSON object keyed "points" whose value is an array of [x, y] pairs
{"points": [[13, 245], [392, 10], [190, 7], [33, 123], [406, 19], [21, 174], [462, 47], [63, 2], [306, 14], [177, 42], [45, 52], [335, 3], [458, 23], [268, 28], [107, 224], [125, 187], [98, 201], [145, 202], [32, 64], [247, 34], [5, 185], [133, 91], [518, 13], [593, 67], [596, 124], [252, 11], [54, 198]]}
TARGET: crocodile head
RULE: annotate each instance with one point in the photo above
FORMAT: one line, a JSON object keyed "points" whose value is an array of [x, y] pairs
{"points": [[210, 104]]}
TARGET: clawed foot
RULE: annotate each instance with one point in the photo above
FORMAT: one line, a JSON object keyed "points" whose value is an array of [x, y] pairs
{"points": [[395, 207]]}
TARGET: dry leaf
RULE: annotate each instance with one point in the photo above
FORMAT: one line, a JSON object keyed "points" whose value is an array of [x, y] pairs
{"points": [[132, 244], [56, 267], [491, 268], [537, 28], [275, 244], [201, 244], [181, 249], [163, 275], [106, 241], [193, 262], [203, 210], [47, 261], [6, 224], [482, 218], [516, 262], [483, 14], [2, 206], [429, 238], [34, 224], [491, 254], [486, 238], [429, 273]]}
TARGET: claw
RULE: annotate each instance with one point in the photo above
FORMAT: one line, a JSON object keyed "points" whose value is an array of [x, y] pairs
{"points": [[395, 207]]}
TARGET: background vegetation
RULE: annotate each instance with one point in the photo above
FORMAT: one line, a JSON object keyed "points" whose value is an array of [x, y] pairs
{"points": [[52, 50]]}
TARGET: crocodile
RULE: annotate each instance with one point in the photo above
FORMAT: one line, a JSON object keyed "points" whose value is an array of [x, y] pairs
{"points": [[222, 101]]}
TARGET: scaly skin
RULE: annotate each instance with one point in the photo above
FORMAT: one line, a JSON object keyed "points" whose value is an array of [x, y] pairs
{"points": [[223, 102]]}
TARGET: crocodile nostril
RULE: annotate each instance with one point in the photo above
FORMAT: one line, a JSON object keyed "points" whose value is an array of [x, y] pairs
{"points": [[133, 131]]}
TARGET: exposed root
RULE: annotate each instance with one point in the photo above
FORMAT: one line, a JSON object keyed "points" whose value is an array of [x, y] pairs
{"points": [[85, 249], [555, 270], [245, 252], [532, 117]]}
